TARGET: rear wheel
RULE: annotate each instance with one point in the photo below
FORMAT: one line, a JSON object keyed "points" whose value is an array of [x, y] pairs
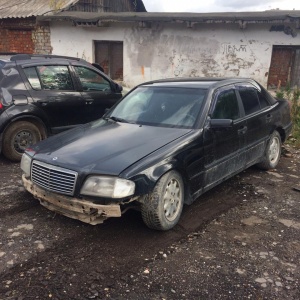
{"points": [[19, 136], [273, 152], [162, 208]]}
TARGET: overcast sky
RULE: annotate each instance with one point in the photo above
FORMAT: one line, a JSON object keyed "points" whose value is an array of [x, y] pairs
{"points": [[218, 5]]}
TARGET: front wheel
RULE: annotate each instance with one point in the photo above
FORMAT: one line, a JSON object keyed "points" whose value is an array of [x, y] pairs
{"points": [[19, 136], [162, 208], [273, 152]]}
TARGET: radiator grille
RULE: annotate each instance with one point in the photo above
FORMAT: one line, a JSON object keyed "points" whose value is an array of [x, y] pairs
{"points": [[53, 178]]}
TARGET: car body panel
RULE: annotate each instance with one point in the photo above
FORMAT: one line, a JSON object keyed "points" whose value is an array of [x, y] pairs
{"points": [[117, 152], [64, 110], [85, 211]]}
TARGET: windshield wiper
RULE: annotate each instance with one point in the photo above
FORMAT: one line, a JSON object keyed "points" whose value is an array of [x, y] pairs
{"points": [[116, 119]]}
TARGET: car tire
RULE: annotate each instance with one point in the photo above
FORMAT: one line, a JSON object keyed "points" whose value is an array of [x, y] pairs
{"points": [[19, 136], [162, 208], [272, 152]]}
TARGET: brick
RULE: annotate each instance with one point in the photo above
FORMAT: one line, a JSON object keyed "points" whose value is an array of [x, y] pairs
{"points": [[28, 38]]}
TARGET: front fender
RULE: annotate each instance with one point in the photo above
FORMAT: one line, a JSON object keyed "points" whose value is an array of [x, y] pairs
{"points": [[179, 155], [146, 180]]}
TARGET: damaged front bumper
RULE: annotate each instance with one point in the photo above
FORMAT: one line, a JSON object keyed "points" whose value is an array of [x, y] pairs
{"points": [[83, 210]]}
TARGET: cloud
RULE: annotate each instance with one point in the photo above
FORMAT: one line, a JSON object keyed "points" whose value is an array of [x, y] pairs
{"points": [[218, 5], [238, 4]]}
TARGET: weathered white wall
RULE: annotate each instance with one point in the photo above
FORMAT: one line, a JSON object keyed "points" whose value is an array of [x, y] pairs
{"points": [[173, 50]]}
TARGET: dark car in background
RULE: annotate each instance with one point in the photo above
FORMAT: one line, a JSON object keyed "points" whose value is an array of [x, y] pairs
{"points": [[41, 95], [166, 143]]}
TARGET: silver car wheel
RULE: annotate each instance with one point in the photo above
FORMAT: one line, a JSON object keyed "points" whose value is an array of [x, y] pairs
{"points": [[172, 199], [274, 150], [272, 153], [162, 208]]}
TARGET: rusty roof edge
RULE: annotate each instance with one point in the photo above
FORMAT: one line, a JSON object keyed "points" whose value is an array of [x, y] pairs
{"points": [[69, 5], [172, 17], [14, 9]]}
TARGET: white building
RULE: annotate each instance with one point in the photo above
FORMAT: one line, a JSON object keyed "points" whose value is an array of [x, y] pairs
{"points": [[137, 47]]}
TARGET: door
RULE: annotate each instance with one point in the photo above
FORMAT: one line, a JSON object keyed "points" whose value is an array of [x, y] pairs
{"points": [[284, 68], [259, 120], [223, 147], [53, 91], [109, 55], [296, 70], [96, 91]]}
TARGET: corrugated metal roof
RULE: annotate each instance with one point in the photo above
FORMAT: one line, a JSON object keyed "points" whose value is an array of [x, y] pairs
{"points": [[30, 8]]}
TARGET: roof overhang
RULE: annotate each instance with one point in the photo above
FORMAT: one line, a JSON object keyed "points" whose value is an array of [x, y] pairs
{"points": [[241, 18]]}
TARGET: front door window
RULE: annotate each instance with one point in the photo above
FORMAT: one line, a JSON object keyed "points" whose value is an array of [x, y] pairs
{"points": [[92, 81]]}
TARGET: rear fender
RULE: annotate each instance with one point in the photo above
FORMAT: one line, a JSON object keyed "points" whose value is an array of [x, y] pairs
{"points": [[33, 119]]}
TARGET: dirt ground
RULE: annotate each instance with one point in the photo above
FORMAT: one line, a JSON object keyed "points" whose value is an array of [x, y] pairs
{"points": [[241, 240]]}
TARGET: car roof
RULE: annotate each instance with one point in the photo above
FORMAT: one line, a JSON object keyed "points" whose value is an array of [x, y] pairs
{"points": [[41, 57], [196, 82], [32, 59], [37, 58]]}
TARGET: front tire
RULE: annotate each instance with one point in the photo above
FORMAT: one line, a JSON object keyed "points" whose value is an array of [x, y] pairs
{"points": [[19, 136], [161, 210], [272, 153]]}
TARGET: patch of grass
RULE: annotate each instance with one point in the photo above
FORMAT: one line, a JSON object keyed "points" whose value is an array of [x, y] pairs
{"points": [[293, 96]]}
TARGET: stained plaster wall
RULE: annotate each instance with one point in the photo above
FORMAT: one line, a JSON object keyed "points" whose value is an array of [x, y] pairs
{"points": [[173, 50]]}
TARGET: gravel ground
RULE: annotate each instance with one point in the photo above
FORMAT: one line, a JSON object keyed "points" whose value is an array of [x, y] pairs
{"points": [[239, 241], [251, 252]]}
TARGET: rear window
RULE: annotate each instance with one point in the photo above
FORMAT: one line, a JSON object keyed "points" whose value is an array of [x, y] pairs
{"points": [[1, 64], [33, 78]]}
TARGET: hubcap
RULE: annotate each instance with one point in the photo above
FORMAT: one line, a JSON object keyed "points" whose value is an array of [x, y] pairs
{"points": [[172, 199], [23, 140], [274, 150]]}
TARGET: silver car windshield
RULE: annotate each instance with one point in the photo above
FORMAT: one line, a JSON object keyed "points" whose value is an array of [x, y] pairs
{"points": [[161, 106]]}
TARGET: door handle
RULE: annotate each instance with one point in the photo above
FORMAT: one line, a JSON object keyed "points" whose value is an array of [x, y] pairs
{"points": [[242, 130], [89, 101], [43, 102]]}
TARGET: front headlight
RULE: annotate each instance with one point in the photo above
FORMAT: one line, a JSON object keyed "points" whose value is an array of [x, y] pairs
{"points": [[26, 164], [108, 187]]}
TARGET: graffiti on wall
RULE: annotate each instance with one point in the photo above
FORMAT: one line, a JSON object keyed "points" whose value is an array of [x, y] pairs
{"points": [[233, 49]]}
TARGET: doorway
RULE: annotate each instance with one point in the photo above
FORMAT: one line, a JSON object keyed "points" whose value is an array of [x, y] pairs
{"points": [[285, 66], [109, 54]]}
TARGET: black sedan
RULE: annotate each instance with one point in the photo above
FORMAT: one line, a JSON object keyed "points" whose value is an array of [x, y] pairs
{"points": [[162, 146]]}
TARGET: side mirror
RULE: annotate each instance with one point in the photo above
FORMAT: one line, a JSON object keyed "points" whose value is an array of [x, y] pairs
{"points": [[220, 123], [118, 88]]}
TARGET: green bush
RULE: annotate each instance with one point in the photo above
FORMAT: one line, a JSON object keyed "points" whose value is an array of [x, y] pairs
{"points": [[293, 96]]}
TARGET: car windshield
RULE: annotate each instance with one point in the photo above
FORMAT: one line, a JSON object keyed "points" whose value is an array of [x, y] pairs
{"points": [[160, 106]]}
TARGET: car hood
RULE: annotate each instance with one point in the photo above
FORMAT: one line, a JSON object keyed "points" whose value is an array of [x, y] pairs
{"points": [[104, 147]]}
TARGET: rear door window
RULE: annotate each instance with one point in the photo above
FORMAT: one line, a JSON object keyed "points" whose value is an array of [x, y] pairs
{"points": [[249, 99], [49, 78], [262, 100]]}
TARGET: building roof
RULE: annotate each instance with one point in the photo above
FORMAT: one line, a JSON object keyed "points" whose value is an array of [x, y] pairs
{"points": [[30, 8], [271, 16], [33, 8]]}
